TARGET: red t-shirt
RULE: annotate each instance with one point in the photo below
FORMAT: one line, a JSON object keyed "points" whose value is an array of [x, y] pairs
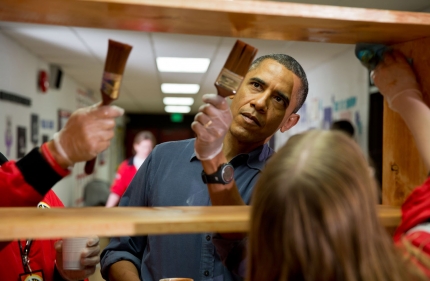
{"points": [[123, 177], [42, 252], [416, 212]]}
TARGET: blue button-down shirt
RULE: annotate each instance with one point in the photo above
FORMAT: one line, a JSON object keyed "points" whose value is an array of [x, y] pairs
{"points": [[171, 176]]}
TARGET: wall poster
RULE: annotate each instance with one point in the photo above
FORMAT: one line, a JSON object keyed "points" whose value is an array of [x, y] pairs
{"points": [[34, 129], [8, 138], [21, 142]]}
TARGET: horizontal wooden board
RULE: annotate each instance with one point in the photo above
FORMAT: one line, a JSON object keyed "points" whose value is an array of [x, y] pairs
{"points": [[252, 19], [22, 223]]}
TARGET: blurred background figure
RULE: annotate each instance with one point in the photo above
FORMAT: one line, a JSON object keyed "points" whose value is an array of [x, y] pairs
{"points": [[344, 126], [96, 193], [143, 144]]}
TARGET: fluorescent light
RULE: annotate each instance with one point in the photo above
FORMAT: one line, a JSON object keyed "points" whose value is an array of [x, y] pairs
{"points": [[170, 88], [178, 101], [177, 108], [188, 65]]}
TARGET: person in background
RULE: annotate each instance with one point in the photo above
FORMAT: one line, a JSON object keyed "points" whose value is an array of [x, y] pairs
{"points": [[28, 183], [143, 144], [314, 211], [343, 126]]}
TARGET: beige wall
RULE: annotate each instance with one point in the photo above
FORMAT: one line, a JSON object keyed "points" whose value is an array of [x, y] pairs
{"points": [[340, 84]]}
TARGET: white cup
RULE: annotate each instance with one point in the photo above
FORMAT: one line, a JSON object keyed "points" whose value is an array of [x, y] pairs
{"points": [[72, 250]]}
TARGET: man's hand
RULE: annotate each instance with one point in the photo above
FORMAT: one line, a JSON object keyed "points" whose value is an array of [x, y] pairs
{"points": [[87, 133], [90, 257], [211, 125], [396, 80]]}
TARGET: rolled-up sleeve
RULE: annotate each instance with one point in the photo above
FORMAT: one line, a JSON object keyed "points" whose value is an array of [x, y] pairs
{"points": [[126, 247]]}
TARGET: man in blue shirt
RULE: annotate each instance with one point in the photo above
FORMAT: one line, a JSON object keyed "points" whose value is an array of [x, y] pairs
{"points": [[230, 140]]}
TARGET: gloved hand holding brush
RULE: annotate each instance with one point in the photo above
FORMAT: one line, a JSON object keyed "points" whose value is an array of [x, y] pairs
{"points": [[87, 133], [396, 80], [211, 125]]}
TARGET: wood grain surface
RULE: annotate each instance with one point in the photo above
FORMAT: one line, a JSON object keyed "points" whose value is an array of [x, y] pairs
{"points": [[26, 223], [403, 168], [252, 19]]}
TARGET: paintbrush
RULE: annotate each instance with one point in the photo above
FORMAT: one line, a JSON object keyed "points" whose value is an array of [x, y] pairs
{"points": [[235, 68], [116, 59]]}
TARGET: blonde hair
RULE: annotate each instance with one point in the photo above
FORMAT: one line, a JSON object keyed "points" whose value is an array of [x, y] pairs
{"points": [[314, 216]]}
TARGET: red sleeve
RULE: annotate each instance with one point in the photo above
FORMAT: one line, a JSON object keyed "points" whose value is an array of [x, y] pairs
{"points": [[415, 210], [25, 182], [119, 185], [51, 199], [16, 192]]}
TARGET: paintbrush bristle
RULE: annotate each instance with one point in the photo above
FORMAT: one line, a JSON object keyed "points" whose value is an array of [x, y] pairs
{"points": [[117, 57], [235, 68], [114, 68], [240, 58]]}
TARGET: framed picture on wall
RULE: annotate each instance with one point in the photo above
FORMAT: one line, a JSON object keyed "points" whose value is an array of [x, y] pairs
{"points": [[21, 142], [63, 116]]}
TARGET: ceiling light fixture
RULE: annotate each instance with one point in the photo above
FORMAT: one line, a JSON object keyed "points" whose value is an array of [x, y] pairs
{"points": [[170, 88], [177, 109], [178, 101], [187, 65]]}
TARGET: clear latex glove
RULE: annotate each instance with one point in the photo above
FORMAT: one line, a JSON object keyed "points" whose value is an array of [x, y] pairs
{"points": [[90, 257], [211, 125], [87, 133], [396, 80]]}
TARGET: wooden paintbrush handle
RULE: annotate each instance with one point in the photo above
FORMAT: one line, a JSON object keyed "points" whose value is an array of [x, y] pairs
{"points": [[89, 166]]}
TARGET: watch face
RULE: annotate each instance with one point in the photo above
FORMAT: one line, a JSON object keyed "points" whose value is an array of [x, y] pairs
{"points": [[228, 173]]}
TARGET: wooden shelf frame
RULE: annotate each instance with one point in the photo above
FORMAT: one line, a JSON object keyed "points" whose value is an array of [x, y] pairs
{"points": [[252, 19], [23, 223], [407, 31]]}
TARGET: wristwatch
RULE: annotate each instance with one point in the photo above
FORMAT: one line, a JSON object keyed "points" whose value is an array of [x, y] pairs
{"points": [[223, 175]]}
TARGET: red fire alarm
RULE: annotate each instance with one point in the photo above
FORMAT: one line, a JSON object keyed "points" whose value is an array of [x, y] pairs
{"points": [[43, 81]]}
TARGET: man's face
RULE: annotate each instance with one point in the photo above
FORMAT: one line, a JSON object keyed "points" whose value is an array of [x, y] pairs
{"points": [[264, 103]]}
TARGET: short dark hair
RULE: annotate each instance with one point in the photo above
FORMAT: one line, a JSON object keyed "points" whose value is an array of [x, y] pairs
{"points": [[292, 65], [343, 126]]}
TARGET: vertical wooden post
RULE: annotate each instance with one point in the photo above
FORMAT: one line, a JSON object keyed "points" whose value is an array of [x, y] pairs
{"points": [[403, 168]]}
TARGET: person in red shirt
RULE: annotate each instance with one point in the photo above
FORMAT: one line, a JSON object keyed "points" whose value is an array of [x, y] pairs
{"points": [[397, 82], [143, 144], [28, 182], [314, 213]]}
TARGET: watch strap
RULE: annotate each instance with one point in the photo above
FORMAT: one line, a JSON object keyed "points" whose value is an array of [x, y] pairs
{"points": [[216, 177]]}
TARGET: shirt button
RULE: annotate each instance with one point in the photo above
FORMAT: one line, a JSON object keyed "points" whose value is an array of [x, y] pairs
{"points": [[206, 273], [208, 238]]}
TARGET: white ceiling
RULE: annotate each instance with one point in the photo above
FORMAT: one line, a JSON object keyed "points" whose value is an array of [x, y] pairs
{"points": [[81, 52]]}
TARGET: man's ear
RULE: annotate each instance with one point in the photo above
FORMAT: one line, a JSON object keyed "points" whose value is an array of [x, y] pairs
{"points": [[291, 122]]}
